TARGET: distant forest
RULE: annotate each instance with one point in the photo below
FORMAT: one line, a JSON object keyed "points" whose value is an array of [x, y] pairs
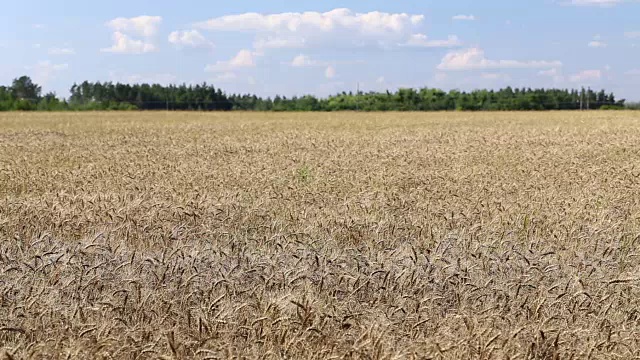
{"points": [[25, 95]]}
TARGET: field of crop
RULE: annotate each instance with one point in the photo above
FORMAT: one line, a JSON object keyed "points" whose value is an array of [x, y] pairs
{"points": [[313, 236]]}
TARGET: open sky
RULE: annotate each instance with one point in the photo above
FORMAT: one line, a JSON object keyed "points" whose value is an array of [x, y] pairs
{"points": [[284, 47]]}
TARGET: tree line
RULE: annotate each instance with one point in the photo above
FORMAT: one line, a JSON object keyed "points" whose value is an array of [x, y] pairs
{"points": [[25, 95]]}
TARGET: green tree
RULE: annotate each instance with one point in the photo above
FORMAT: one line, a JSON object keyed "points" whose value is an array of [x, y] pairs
{"points": [[23, 88]]}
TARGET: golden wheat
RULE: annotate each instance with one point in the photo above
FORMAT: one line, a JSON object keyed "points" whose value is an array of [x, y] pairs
{"points": [[315, 236]]}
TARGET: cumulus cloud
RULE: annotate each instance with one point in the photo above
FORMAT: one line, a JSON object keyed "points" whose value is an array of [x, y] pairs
{"points": [[586, 76], [225, 77], [335, 28], [440, 77], [632, 34], [495, 76], [303, 61], [272, 42], [44, 71], [123, 44], [602, 3], [244, 59], [61, 51], [554, 74], [146, 26], [464, 17], [373, 22], [330, 72], [48, 66], [421, 40], [633, 72], [125, 28], [550, 72], [474, 59], [597, 43], [190, 38]]}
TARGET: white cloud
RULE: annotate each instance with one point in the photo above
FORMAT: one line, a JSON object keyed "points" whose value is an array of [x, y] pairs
{"points": [[123, 28], [191, 38], [244, 59], [632, 34], [550, 72], [380, 80], [330, 72], [474, 59], [303, 61], [47, 65], [123, 44], [464, 17], [586, 76], [225, 77], [146, 26], [633, 72], [421, 40], [39, 26], [44, 71], [61, 51], [251, 80], [279, 43], [602, 3], [596, 43], [306, 61], [37, 46], [554, 73], [376, 22], [339, 27], [440, 76], [495, 76]]}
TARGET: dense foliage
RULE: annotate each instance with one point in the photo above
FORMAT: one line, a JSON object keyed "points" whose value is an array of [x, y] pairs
{"points": [[104, 96], [633, 106], [24, 94]]}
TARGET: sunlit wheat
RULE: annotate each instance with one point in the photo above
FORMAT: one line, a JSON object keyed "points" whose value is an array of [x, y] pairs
{"points": [[314, 236]]}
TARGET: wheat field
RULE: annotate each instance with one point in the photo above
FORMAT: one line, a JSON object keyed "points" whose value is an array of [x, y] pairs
{"points": [[319, 236]]}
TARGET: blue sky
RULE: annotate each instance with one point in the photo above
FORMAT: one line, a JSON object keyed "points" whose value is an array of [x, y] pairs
{"points": [[273, 47]]}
